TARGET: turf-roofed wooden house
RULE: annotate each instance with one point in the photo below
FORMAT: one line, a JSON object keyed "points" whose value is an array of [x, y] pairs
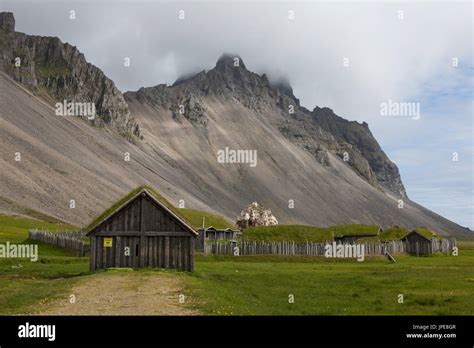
{"points": [[142, 230], [421, 241]]}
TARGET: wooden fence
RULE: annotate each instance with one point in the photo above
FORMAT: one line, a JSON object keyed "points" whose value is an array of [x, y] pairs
{"points": [[416, 247], [316, 249], [445, 246], [67, 240]]}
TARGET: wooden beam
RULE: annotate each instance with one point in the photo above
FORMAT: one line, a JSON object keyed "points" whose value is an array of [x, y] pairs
{"points": [[147, 233], [167, 252], [99, 249], [93, 253], [117, 233], [192, 242], [168, 234], [143, 246], [118, 251]]}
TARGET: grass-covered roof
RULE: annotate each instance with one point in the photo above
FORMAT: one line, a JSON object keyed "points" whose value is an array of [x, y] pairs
{"points": [[191, 217], [286, 233], [195, 217], [353, 230], [303, 233], [387, 235], [109, 211], [426, 232]]}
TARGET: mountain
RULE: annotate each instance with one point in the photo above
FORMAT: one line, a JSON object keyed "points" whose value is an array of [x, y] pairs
{"points": [[312, 167], [318, 132], [60, 70]]}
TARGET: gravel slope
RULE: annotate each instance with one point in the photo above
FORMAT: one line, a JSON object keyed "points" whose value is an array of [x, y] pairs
{"points": [[63, 158]]}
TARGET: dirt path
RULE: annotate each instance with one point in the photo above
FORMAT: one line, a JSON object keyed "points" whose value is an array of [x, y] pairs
{"points": [[124, 293]]}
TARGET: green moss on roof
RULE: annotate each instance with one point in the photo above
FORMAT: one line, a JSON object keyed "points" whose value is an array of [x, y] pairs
{"points": [[387, 235], [286, 233], [131, 194], [427, 233], [368, 240], [195, 218], [353, 229], [393, 233], [303, 233]]}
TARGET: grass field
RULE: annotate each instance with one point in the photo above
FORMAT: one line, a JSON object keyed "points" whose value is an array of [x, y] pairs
{"points": [[36, 283], [23, 283], [256, 285], [15, 228], [261, 285]]}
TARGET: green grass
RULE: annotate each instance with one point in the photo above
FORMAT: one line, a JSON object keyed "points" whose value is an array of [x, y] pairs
{"points": [[393, 233], [122, 201], [33, 214], [466, 244], [427, 233], [15, 228], [352, 229], [195, 218], [24, 283], [389, 234], [302, 233], [280, 233], [260, 285]]}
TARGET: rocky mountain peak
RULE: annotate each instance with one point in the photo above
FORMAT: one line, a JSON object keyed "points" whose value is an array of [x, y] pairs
{"points": [[229, 79], [283, 85], [315, 158], [186, 77], [319, 132], [228, 61], [7, 21], [357, 146], [64, 73]]}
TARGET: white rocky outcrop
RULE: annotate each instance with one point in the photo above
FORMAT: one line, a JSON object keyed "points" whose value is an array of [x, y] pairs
{"points": [[256, 215]]}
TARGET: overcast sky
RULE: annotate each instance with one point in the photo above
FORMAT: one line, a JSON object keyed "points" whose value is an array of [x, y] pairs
{"points": [[398, 51]]}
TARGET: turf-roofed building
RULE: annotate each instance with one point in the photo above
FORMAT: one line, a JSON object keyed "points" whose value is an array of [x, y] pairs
{"points": [[142, 230]]}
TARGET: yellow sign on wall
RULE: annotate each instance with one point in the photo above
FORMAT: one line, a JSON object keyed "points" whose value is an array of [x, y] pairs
{"points": [[108, 242]]}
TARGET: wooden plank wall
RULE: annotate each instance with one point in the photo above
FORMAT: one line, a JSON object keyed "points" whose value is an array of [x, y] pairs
{"points": [[130, 217], [137, 218], [162, 252]]}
